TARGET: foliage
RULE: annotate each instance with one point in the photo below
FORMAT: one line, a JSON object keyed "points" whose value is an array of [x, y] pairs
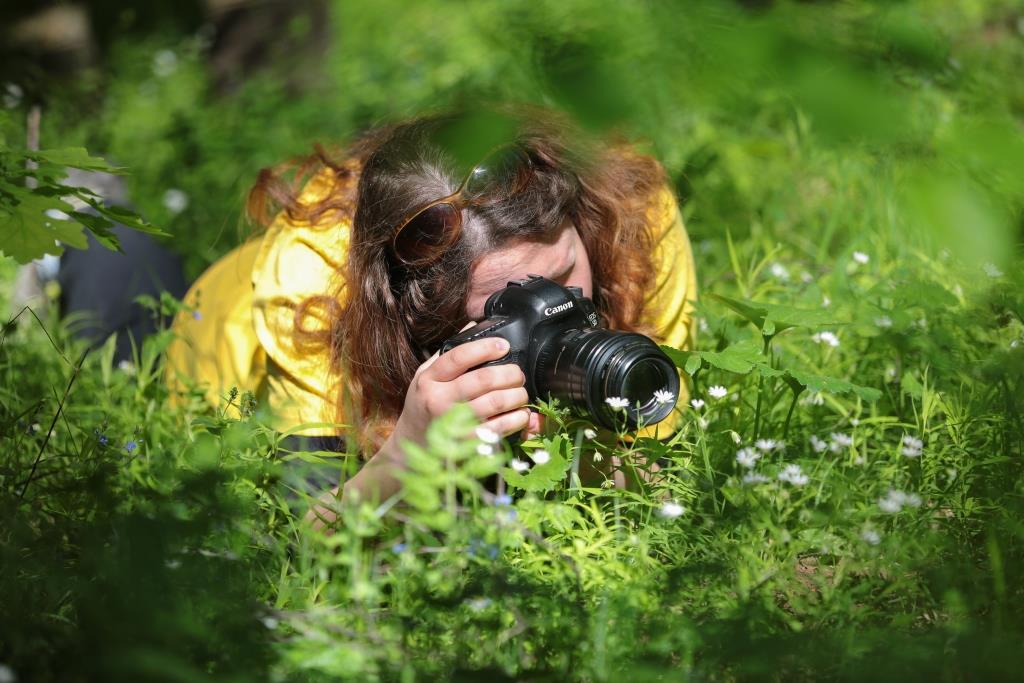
{"points": [[843, 498]]}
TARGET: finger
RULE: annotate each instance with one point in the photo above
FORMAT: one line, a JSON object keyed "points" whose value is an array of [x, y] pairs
{"points": [[510, 422], [460, 359], [500, 401], [476, 383], [534, 426], [427, 363]]}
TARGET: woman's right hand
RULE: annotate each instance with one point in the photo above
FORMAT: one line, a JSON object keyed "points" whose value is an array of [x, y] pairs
{"points": [[496, 393]]}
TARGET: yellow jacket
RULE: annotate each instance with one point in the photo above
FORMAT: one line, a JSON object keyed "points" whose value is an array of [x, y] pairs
{"points": [[241, 332]]}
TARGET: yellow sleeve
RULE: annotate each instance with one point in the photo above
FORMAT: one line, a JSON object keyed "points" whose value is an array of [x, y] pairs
{"points": [[214, 346], [669, 309], [296, 263]]}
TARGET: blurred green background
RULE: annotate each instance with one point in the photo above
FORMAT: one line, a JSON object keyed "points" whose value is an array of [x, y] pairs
{"points": [[795, 121]]}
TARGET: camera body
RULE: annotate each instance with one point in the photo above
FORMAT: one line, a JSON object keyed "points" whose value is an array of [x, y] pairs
{"points": [[556, 337]]}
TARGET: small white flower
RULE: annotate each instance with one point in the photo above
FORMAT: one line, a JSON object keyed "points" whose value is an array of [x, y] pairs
{"points": [[992, 270], [780, 272], [664, 396], [794, 475], [736, 438], [697, 403], [1015, 343], [671, 510], [893, 501], [826, 338], [540, 456], [883, 321], [617, 402], [871, 537], [717, 391], [485, 449], [747, 457], [825, 301], [922, 323], [702, 325], [755, 478], [703, 422], [12, 95], [860, 257], [589, 433], [913, 500], [487, 435], [127, 367], [818, 444], [890, 373], [813, 399], [912, 446], [519, 465], [270, 623], [855, 421], [165, 63], [478, 604], [175, 201], [840, 441], [766, 445], [598, 457]]}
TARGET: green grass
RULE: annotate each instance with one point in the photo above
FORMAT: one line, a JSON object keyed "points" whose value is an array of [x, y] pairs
{"points": [[144, 542]]}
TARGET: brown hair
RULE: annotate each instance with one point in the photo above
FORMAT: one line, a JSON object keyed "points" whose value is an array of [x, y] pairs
{"points": [[388, 319]]}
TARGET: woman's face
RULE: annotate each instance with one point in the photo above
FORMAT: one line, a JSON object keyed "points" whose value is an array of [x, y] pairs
{"points": [[563, 258]]}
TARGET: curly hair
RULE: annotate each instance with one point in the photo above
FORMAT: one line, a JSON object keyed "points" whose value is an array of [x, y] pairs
{"points": [[387, 319]]}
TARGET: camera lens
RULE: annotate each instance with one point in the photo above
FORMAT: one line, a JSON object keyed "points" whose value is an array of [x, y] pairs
{"points": [[585, 367]]}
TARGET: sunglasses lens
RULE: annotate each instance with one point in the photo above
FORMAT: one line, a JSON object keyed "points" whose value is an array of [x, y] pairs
{"points": [[428, 233], [506, 167]]}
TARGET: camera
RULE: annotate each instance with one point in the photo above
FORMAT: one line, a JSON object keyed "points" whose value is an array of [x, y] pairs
{"points": [[557, 339]]}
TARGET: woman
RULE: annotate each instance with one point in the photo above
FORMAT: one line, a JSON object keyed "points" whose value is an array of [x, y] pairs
{"points": [[337, 312]]}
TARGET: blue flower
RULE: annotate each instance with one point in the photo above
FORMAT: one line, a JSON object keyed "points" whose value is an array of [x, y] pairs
{"points": [[131, 446], [503, 499], [399, 548]]}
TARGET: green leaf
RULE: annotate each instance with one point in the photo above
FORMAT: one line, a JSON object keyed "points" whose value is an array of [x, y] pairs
{"points": [[834, 385], [739, 357], [544, 477], [75, 157], [774, 318], [26, 232]]}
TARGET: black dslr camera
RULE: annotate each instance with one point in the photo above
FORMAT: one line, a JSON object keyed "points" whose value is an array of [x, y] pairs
{"points": [[557, 340]]}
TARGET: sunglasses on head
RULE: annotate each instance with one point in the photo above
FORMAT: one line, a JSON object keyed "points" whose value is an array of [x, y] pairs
{"points": [[425, 234]]}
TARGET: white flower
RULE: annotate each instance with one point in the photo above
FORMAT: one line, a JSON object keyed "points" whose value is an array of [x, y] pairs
{"points": [[12, 95], [127, 367], [165, 63], [702, 325], [697, 403], [754, 478], [825, 301], [747, 457], [860, 257], [270, 623], [598, 457], [703, 422], [826, 338], [519, 465], [883, 321], [485, 449], [992, 270], [175, 201], [779, 271], [913, 500], [893, 501], [813, 399], [871, 537], [540, 456], [794, 475], [664, 396], [766, 445], [717, 391], [589, 433], [736, 438], [818, 444], [487, 435], [911, 446], [671, 510], [478, 604], [617, 402], [890, 373], [840, 441]]}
